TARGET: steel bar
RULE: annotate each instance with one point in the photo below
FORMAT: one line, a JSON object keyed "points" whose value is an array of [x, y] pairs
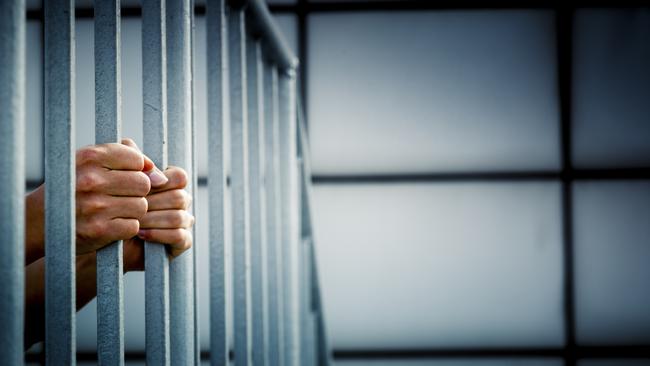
{"points": [[194, 189], [263, 26], [12, 180], [255, 79], [179, 114], [289, 214], [239, 183], [273, 213], [217, 77], [155, 146], [60, 183], [108, 125]]}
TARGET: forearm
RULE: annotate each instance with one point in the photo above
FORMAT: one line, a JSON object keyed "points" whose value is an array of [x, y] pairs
{"points": [[35, 225], [86, 290]]}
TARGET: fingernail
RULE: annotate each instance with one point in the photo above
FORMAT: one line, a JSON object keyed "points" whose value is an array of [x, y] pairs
{"points": [[141, 233], [157, 177]]}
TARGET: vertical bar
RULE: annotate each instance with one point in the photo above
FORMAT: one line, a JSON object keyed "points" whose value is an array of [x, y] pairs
{"points": [[256, 207], [195, 189], [216, 64], [564, 33], [290, 220], [155, 137], [60, 186], [179, 114], [12, 181], [307, 338], [239, 183], [274, 240], [108, 126]]}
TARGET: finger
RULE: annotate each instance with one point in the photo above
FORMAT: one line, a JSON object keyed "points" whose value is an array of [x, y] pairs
{"points": [[126, 183], [111, 156], [167, 219], [156, 177], [148, 164], [109, 207], [108, 231], [179, 240], [177, 199], [177, 180]]}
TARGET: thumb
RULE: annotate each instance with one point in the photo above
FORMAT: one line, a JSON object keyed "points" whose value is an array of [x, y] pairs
{"points": [[156, 177]]}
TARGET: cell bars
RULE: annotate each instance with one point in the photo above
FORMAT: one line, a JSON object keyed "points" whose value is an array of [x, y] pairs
{"points": [[264, 279]]}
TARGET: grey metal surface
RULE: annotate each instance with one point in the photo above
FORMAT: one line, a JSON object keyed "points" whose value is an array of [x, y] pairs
{"points": [[264, 27], [321, 351], [12, 181], [179, 114], [273, 212], [194, 189], [108, 125], [289, 214], [239, 184], [60, 187], [155, 146], [217, 77], [258, 243]]}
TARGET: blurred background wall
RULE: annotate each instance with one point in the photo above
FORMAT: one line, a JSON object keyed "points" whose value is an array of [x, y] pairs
{"points": [[481, 182]]}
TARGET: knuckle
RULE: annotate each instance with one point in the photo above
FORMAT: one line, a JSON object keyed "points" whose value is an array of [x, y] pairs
{"points": [[131, 228], [97, 228], [176, 218], [142, 183], [177, 237], [179, 198], [87, 155], [91, 204], [88, 182]]}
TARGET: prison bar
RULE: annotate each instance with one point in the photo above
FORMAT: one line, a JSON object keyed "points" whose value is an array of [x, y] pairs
{"points": [[217, 77], [277, 315], [273, 227], [179, 114], [154, 96], [12, 180], [108, 126], [258, 262], [59, 81]]}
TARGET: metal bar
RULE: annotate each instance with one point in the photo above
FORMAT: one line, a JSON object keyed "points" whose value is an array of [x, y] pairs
{"points": [[217, 77], [60, 186], [12, 181], [263, 26], [256, 204], [179, 114], [273, 213], [290, 220], [155, 137], [239, 184], [108, 126], [195, 188]]}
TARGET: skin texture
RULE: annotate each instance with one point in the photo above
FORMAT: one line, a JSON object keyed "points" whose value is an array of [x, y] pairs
{"points": [[120, 195]]}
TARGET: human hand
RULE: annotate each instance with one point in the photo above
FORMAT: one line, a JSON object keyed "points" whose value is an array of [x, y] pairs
{"points": [[167, 220], [112, 182]]}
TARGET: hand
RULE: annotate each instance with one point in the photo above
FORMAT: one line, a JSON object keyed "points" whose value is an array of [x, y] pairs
{"points": [[167, 221], [112, 182]]}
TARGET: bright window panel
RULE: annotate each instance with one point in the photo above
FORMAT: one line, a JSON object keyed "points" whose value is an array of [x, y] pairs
{"points": [[440, 265], [432, 91], [33, 102], [612, 243], [611, 117], [456, 362]]}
